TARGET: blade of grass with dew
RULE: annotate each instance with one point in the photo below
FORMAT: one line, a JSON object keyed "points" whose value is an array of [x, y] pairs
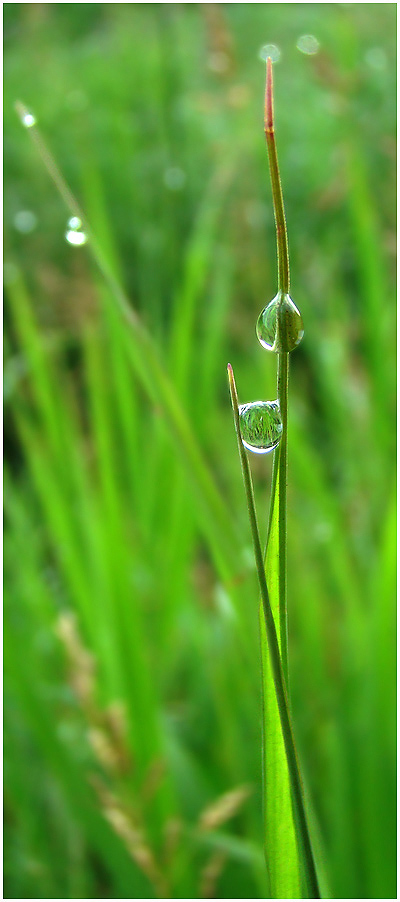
{"points": [[288, 762], [279, 829], [281, 778]]}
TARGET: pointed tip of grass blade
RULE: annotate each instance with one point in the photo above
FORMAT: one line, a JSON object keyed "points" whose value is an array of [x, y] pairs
{"points": [[232, 385], [269, 110]]}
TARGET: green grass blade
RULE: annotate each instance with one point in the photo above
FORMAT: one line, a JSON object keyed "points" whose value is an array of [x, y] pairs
{"points": [[286, 761], [279, 828]]}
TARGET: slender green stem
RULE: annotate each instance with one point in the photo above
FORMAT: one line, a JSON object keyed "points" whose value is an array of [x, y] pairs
{"points": [[276, 663], [279, 210], [281, 455], [283, 381]]}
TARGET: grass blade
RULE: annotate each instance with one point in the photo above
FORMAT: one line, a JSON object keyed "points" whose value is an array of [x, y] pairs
{"points": [[274, 657]]}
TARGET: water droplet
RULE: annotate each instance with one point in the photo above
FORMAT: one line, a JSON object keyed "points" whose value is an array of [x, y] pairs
{"points": [[308, 43], [74, 234], [256, 214], [174, 178], [260, 425], [74, 223], [25, 221], [76, 238], [283, 312], [27, 118], [10, 273], [269, 50], [376, 58], [218, 62]]}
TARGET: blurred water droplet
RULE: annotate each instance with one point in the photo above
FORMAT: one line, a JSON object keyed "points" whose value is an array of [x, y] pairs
{"points": [[77, 239], [269, 50], [376, 58], [74, 223], [27, 118], [10, 273], [75, 234], [280, 310], [151, 239], [308, 43], [174, 178], [218, 61], [256, 214], [260, 425], [25, 221]]}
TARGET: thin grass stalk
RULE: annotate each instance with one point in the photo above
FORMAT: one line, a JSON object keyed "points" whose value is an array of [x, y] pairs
{"points": [[276, 662], [281, 453], [276, 633]]}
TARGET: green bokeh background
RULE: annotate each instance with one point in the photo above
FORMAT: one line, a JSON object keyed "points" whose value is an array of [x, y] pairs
{"points": [[154, 115]]}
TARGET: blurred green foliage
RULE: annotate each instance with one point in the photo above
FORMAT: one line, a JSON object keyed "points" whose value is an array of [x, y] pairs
{"points": [[123, 497]]}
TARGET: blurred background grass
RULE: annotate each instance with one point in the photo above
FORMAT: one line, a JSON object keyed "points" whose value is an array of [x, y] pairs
{"points": [[132, 689]]}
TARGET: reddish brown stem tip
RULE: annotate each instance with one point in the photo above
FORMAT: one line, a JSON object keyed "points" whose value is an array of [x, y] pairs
{"points": [[269, 110]]}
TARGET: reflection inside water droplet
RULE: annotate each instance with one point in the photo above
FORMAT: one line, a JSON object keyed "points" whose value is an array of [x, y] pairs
{"points": [[280, 325], [269, 50], [260, 425]]}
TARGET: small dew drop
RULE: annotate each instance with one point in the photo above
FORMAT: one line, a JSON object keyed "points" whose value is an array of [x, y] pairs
{"points": [[256, 214], [308, 43], [74, 223], [269, 50], [75, 234], [218, 62], [77, 239], [27, 118], [376, 58], [280, 325], [174, 178], [25, 221], [260, 425], [10, 273]]}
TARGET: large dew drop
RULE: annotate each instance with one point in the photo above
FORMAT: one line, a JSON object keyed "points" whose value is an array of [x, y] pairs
{"points": [[260, 425], [283, 312]]}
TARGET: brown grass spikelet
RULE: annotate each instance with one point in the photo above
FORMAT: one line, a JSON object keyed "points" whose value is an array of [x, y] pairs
{"points": [[225, 807]]}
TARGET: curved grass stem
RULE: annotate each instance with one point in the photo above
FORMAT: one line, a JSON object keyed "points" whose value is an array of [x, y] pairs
{"points": [[279, 210], [283, 381], [283, 357], [281, 453]]}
